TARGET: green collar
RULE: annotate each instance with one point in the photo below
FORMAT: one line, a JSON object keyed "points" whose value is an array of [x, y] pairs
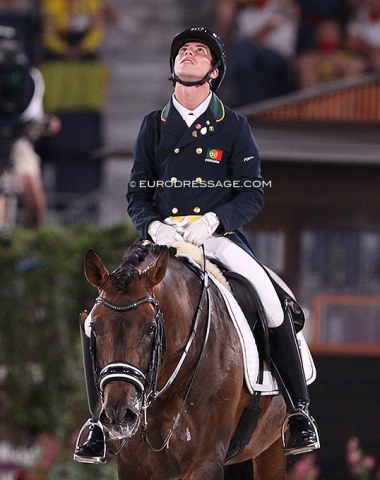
{"points": [[216, 106]]}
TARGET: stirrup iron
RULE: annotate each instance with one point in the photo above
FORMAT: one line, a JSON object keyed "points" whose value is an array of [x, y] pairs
{"points": [[307, 448], [98, 459]]}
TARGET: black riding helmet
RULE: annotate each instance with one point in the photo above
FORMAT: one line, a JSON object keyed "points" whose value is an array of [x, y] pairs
{"points": [[214, 43]]}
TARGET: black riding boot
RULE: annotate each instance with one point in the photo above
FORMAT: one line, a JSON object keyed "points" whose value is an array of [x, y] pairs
{"points": [[303, 434], [93, 449]]}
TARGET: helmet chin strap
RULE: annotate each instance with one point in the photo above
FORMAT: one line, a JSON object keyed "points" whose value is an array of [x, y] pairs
{"points": [[207, 78]]}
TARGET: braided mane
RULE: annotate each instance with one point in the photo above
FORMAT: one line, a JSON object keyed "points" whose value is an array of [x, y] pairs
{"points": [[130, 260]]}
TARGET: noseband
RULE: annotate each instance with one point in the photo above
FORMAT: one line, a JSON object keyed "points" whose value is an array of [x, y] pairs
{"points": [[145, 383]]}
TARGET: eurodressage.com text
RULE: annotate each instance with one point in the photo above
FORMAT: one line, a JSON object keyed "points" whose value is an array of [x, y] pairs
{"points": [[201, 184]]}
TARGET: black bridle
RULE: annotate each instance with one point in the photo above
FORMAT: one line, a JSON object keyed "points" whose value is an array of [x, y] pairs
{"points": [[122, 371]]}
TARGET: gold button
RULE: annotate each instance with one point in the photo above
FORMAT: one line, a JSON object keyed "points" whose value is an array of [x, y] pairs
{"points": [[173, 179], [199, 150], [198, 180], [174, 210], [196, 209], [176, 150]]}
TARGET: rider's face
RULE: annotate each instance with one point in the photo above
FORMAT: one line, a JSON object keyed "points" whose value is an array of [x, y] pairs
{"points": [[193, 61]]}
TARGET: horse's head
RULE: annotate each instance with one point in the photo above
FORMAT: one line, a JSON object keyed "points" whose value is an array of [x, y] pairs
{"points": [[127, 335]]}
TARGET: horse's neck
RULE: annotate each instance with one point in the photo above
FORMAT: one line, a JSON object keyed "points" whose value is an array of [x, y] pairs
{"points": [[179, 294]]}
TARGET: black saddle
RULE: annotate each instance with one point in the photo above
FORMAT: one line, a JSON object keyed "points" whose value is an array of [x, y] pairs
{"points": [[250, 303], [247, 298]]}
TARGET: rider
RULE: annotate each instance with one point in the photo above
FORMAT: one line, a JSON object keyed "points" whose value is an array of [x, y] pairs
{"points": [[22, 121], [196, 177]]}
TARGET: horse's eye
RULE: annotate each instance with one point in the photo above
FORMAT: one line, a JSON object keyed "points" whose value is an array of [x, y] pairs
{"points": [[150, 330]]}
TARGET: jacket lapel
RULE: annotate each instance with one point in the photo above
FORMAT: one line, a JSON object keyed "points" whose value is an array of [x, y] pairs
{"points": [[206, 125]]}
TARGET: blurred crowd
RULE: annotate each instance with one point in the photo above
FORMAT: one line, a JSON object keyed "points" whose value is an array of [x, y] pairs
{"points": [[278, 46]]}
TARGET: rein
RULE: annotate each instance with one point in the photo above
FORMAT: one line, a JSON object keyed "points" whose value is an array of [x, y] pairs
{"points": [[204, 296], [146, 384]]}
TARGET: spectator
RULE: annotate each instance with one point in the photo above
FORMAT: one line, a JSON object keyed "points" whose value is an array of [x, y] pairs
{"points": [[73, 29], [311, 13], [261, 51], [75, 77], [329, 60], [363, 32]]}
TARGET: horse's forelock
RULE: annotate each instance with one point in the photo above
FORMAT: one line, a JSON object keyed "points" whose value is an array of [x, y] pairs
{"points": [[131, 259], [122, 276]]}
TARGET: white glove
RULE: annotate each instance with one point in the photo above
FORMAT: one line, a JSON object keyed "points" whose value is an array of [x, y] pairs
{"points": [[179, 226], [201, 229], [163, 234]]}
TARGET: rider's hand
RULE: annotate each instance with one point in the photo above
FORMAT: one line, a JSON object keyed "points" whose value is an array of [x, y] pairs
{"points": [[201, 229], [163, 234]]}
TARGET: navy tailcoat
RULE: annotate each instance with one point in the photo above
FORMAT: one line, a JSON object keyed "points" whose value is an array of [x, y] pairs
{"points": [[213, 165]]}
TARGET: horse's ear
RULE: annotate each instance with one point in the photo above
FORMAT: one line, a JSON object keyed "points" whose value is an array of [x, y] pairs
{"points": [[96, 273], [156, 270]]}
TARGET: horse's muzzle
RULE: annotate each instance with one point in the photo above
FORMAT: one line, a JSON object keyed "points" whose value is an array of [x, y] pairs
{"points": [[121, 420]]}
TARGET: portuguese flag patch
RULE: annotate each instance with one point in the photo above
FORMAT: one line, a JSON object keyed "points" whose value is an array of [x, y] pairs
{"points": [[214, 155]]}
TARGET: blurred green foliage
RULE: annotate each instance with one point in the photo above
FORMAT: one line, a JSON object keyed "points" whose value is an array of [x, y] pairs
{"points": [[42, 291]]}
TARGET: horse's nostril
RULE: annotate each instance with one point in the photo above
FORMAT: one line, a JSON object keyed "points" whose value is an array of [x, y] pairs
{"points": [[126, 416], [105, 418], [130, 416]]}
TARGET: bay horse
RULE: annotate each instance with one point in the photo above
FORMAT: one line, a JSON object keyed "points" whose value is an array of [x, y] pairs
{"points": [[169, 369]]}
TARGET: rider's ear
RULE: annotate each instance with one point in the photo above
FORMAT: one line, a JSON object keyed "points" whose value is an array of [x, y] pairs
{"points": [[156, 270], [96, 273], [215, 73]]}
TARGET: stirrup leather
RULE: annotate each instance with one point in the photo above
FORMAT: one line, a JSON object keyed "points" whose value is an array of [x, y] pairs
{"points": [[97, 459], [308, 448]]}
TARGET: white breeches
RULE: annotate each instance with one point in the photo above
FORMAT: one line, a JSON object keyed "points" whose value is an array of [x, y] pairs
{"points": [[239, 261]]}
